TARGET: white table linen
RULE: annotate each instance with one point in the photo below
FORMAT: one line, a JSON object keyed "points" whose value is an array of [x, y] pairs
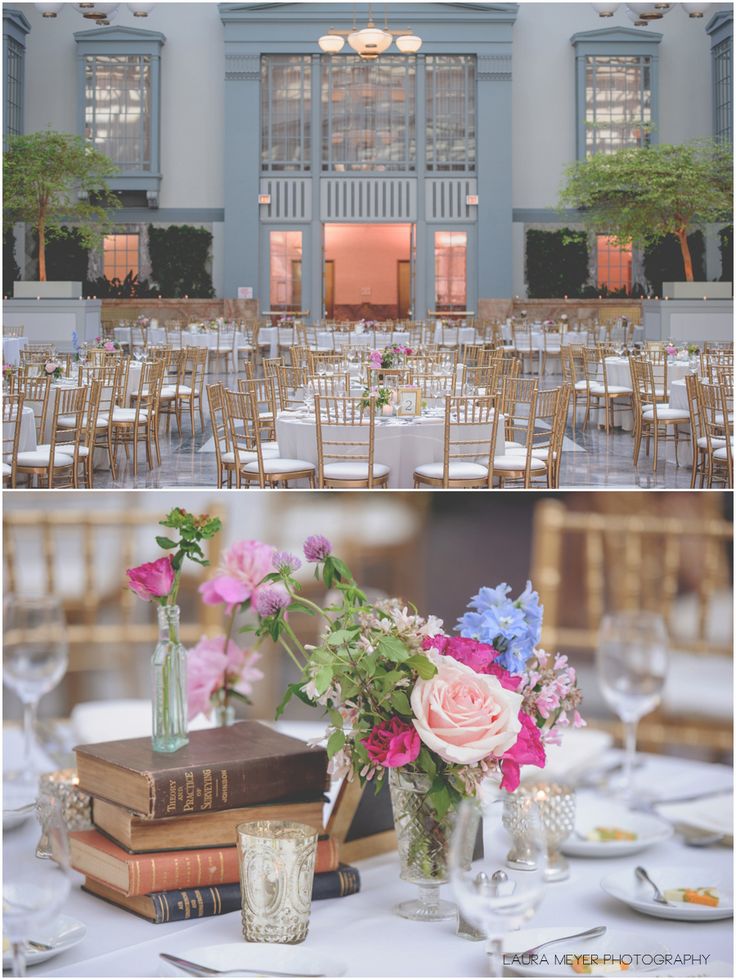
{"points": [[27, 436], [12, 346], [618, 372], [119, 944], [401, 444]]}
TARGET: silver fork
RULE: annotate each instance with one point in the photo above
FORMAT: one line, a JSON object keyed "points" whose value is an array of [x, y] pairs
{"points": [[588, 934], [198, 970], [642, 875]]}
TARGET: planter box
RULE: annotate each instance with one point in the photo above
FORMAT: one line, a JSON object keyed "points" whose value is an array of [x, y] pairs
{"points": [[47, 290], [697, 290]]}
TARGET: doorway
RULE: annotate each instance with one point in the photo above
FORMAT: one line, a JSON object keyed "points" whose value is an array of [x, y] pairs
{"points": [[367, 271]]}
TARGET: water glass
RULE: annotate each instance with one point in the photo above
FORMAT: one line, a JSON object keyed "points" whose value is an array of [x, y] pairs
{"points": [[276, 860], [631, 662], [35, 657]]}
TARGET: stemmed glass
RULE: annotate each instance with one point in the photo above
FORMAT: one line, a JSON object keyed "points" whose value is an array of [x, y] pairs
{"points": [[631, 661], [34, 893], [503, 888], [35, 657]]}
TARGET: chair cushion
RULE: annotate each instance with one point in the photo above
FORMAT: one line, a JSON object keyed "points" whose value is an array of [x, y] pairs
{"points": [[581, 385], [349, 470], [516, 461], [541, 452], [270, 450], [7, 469], [664, 412], [128, 414], [70, 422], [721, 453], [456, 471], [278, 465], [597, 388], [716, 443], [513, 445], [40, 457]]}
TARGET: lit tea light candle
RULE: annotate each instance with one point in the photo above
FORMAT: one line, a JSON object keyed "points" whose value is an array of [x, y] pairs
{"points": [[556, 804]]}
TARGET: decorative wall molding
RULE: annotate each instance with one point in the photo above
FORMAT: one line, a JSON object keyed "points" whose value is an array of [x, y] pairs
{"points": [[242, 68], [494, 68]]}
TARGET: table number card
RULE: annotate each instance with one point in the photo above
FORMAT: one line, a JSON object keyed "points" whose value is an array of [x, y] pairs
{"points": [[410, 401]]}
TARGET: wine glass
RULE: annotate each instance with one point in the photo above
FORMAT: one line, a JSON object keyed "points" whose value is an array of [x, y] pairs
{"points": [[35, 657], [34, 892], [631, 662], [502, 889]]}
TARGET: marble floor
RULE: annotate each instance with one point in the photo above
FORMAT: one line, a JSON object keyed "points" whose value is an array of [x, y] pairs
{"points": [[591, 459]]}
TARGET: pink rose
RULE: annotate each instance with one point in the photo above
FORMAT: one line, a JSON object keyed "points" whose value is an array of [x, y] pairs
{"points": [[392, 743], [210, 668], [527, 751], [478, 656], [152, 580], [109, 345], [244, 565], [463, 716]]}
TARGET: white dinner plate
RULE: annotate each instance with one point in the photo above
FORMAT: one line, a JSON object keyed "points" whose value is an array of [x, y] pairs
{"points": [[15, 796], [61, 935], [626, 887], [649, 830], [255, 956], [554, 962]]}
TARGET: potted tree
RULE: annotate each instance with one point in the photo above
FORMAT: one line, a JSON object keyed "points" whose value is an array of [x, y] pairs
{"points": [[642, 195], [52, 178]]}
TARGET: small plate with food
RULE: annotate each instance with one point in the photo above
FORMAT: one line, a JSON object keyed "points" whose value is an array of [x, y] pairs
{"points": [[691, 895], [611, 830]]}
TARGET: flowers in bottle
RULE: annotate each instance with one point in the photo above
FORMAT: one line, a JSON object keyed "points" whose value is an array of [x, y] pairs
{"points": [[389, 357], [218, 670], [52, 369]]}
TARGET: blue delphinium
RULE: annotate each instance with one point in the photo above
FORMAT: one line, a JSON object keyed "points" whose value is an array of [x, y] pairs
{"points": [[513, 627]]}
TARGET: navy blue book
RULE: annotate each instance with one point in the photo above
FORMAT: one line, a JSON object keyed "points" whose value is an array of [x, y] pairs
{"points": [[196, 903]]}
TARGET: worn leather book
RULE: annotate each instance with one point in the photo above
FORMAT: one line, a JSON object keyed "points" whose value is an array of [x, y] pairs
{"points": [[96, 856], [220, 769], [196, 903], [211, 829]]}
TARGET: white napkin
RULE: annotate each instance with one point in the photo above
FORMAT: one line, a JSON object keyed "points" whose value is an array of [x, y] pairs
{"points": [[580, 748], [713, 814]]}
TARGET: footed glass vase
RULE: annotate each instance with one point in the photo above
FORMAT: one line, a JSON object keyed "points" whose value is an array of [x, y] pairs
{"points": [[169, 677], [424, 842]]}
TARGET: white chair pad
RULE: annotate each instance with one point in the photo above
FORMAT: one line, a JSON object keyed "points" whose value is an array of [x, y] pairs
{"points": [[70, 422], [715, 443], [512, 445], [581, 386], [41, 455], [598, 389], [541, 452], [357, 470], [721, 453], [517, 462], [664, 412], [278, 465], [128, 414], [7, 469], [456, 471]]}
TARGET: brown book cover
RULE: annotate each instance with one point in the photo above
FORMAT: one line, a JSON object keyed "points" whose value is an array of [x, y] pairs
{"points": [[220, 769], [209, 829], [127, 874]]}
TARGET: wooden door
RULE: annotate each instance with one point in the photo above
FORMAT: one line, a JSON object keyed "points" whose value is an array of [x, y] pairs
{"points": [[330, 288], [404, 288]]}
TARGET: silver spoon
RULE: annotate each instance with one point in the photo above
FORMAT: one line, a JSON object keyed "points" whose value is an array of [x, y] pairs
{"points": [[643, 876], [198, 970], [588, 934]]}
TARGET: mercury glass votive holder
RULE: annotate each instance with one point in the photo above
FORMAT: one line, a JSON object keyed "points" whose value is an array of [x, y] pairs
{"points": [[556, 804], [62, 788], [276, 860]]}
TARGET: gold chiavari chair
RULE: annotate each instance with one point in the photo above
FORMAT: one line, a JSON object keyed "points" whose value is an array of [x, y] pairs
{"points": [[35, 391], [698, 436], [190, 389], [346, 441], [650, 416], [224, 455], [602, 395], [573, 374], [173, 333], [299, 356], [715, 404], [517, 404], [521, 341], [481, 380], [12, 415], [319, 362], [470, 430], [292, 382], [330, 384], [131, 426], [549, 432], [433, 386], [264, 392], [551, 344], [58, 458], [677, 566], [253, 464], [174, 390]]}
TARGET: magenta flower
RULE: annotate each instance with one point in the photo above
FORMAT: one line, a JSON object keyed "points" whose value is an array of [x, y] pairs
{"points": [[270, 599], [317, 548], [109, 345], [152, 580], [480, 657], [392, 743], [244, 566], [210, 667], [284, 561], [527, 751]]}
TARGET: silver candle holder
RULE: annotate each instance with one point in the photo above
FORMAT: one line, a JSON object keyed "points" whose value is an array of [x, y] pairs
{"points": [[556, 805], [60, 789]]}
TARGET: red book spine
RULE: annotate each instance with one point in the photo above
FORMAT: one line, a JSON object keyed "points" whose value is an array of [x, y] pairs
{"points": [[182, 869]]}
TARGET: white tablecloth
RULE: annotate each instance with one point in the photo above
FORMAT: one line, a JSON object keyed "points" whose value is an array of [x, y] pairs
{"points": [[27, 437], [618, 372], [401, 444], [361, 930], [327, 340], [12, 346]]}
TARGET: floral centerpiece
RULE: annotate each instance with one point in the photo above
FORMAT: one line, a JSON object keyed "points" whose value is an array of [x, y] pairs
{"points": [[286, 322], [389, 357], [142, 320], [431, 713], [53, 369], [108, 345], [8, 372], [158, 581], [379, 396], [366, 325]]}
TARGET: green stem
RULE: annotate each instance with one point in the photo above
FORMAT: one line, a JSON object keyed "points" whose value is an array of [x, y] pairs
{"points": [[229, 633], [312, 605], [288, 649], [296, 639]]}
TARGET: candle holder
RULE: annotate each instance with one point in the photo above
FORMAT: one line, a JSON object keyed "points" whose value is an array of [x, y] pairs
{"points": [[62, 788], [556, 805]]}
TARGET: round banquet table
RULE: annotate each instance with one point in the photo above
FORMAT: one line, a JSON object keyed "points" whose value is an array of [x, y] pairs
{"points": [[119, 944], [328, 340], [27, 437], [618, 372], [402, 444], [12, 346]]}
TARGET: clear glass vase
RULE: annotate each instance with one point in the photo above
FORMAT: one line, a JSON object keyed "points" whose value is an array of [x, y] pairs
{"points": [[223, 715], [169, 676], [424, 841]]}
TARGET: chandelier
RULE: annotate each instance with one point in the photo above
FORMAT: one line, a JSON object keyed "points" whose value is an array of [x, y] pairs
{"points": [[644, 13], [370, 41], [99, 13]]}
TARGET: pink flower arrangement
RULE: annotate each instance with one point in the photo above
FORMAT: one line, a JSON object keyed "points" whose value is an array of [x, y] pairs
{"points": [[245, 564], [217, 668], [109, 345], [153, 579], [393, 743]]}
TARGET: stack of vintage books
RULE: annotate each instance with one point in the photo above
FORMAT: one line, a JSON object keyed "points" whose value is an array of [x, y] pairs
{"points": [[164, 846]]}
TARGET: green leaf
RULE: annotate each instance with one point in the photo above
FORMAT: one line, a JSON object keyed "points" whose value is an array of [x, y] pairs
{"points": [[335, 743], [401, 702], [323, 679], [440, 797], [340, 637], [166, 543], [422, 665], [335, 718], [427, 762], [297, 606], [341, 569], [393, 649]]}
